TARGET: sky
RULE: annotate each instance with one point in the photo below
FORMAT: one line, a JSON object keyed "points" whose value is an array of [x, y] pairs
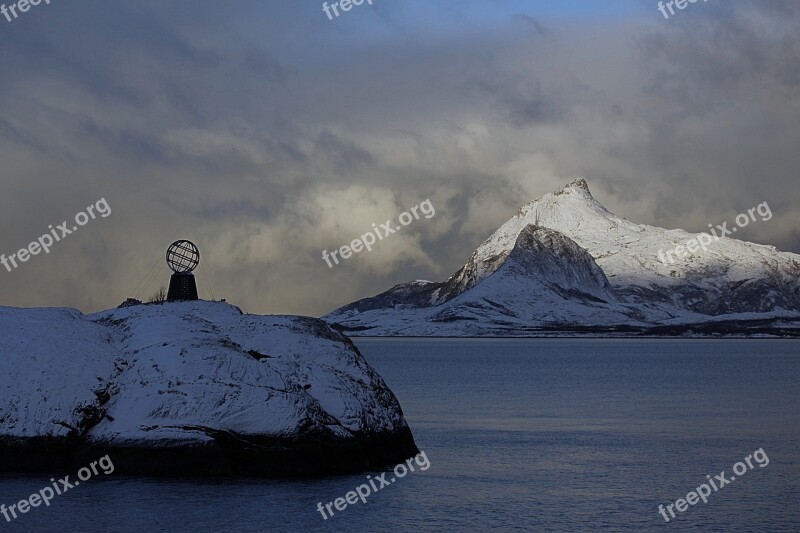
{"points": [[266, 133]]}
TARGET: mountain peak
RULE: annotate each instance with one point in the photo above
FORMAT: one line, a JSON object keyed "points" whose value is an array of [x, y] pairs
{"points": [[578, 187], [558, 261]]}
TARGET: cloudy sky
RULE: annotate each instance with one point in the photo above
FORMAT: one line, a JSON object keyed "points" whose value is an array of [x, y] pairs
{"points": [[266, 133]]}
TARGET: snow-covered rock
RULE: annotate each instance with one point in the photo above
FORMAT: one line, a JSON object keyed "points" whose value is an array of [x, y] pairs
{"points": [[573, 247], [195, 388]]}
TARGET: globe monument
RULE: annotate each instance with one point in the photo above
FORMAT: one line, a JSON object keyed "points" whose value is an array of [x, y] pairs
{"points": [[182, 257]]}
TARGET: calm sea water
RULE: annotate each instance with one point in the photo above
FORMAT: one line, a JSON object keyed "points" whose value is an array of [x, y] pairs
{"points": [[522, 435]]}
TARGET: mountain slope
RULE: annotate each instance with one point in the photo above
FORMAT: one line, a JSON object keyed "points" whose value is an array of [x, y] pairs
{"points": [[546, 280], [534, 279]]}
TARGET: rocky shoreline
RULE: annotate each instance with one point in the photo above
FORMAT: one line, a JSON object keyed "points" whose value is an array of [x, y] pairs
{"points": [[228, 455]]}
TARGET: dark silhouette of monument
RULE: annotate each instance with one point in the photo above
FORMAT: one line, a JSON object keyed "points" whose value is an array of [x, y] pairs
{"points": [[182, 257]]}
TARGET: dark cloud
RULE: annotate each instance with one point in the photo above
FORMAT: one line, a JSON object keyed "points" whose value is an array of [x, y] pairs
{"points": [[268, 133]]}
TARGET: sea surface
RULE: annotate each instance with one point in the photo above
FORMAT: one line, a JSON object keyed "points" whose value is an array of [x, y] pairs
{"points": [[521, 435]]}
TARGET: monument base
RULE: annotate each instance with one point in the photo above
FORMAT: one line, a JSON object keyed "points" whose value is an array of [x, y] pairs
{"points": [[182, 287]]}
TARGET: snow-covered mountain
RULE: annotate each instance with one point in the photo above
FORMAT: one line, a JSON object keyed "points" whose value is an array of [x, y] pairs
{"points": [[195, 387], [564, 262]]}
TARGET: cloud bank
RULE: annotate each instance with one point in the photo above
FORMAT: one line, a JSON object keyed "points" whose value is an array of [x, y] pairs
{"points": [[266, 133]]}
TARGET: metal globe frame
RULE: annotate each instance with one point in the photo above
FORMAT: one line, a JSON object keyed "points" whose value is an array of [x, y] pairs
{"points": [[183, 256]]}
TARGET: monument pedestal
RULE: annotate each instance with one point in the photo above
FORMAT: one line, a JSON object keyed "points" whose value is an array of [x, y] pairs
{"points": [[182, 287]]}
